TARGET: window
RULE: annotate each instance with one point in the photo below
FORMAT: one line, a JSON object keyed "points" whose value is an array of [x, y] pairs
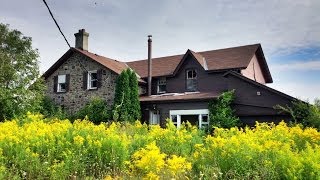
{"points": [[191, 84], [154, 117], [92, 79], [174, 119], [197, 117], [61, 86], [204, 121], [162, 85]]}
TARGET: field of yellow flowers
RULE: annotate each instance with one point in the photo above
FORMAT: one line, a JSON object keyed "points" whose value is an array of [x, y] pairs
{"points": [[38, 148]]}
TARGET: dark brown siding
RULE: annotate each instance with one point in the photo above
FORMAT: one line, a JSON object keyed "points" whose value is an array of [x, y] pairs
{"points": [[248, 103], [206, 82], [249, 106]]}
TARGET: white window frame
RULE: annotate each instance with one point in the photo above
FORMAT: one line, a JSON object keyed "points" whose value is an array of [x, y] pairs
{"points": [[154, 117], [161, 81], [89, 80], [199, 112], [194, 74], [62, 79]]}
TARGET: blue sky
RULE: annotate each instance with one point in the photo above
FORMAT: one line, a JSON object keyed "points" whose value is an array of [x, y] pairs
{"points": [[288, 30]]}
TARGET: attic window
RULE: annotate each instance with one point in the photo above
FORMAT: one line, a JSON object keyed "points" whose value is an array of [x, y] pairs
{"points": [[61, 86], [92, 79], [162, 85], [191, 80], [191, 74]]}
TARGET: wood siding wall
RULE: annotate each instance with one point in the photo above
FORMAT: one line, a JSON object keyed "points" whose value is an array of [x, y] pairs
{"points": [[205, 82]]}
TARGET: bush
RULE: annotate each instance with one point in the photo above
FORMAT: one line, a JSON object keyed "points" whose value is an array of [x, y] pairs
{"points": [[303, 113], [58, 149], [50, 110], [221, 113], [96, 110]]}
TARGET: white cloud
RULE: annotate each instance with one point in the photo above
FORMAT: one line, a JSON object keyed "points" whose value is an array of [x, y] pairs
{"points": [[118, 29], [296, 66], [300, 90]]}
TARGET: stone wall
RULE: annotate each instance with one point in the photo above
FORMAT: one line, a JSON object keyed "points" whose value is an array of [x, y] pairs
{"points": [[77, 97]]}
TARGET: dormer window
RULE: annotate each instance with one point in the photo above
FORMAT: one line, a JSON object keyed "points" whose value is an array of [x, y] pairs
{"points": [[162, 85], [61, 86], [191, 78], [92, 79]]}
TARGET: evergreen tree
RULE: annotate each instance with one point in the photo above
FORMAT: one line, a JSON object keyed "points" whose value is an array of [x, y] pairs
{"points": [[121, 100], [135, 110]]}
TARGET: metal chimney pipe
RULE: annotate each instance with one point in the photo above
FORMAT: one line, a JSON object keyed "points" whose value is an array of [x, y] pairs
{"points": [[149, 64]]}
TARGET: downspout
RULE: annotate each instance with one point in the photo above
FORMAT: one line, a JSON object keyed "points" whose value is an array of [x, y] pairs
{"points": [[149, 64]]}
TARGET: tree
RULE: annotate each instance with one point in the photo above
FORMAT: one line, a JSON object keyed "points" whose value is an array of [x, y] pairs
{"points": [[21, 89], [135, 109], [122, 97], [303, 113], [126, 105], [221, 113]]}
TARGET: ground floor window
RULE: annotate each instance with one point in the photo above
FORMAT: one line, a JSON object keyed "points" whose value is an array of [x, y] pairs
{"points": [[197, 117], [154, 117]]}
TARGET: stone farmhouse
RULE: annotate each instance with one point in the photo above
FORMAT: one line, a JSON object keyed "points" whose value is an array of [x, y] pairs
{"points": [[177, 87]]}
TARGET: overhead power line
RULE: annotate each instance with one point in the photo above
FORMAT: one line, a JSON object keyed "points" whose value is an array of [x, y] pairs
{"points": [[82, 66], [56, 23]]}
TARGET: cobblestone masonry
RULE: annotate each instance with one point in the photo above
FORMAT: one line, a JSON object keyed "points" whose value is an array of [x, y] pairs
{"points": [[77, 97]]}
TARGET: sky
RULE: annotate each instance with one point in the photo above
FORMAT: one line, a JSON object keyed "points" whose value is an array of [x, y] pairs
{"points": [[288, 30]]}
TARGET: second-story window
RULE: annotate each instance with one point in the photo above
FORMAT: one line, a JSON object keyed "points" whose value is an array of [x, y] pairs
{"points": [[92, 79], [61, 83], [162, 85], [191, 80]]}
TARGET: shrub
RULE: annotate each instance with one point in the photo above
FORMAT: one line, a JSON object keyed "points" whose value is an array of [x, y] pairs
{"points": [[96, 110], [304, 113], [50, 110], [221, 113], [58, 149]]}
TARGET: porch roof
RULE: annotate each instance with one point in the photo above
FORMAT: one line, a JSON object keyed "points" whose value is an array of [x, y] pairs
{"points": [[187, 96]]}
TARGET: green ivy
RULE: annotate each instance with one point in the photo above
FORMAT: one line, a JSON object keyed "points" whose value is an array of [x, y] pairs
{"points": [[221, 113]]}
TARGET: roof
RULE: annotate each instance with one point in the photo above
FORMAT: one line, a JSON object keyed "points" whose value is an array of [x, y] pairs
{"points": [[113, 65], [188, 96], [259, 84], [214, 60]]}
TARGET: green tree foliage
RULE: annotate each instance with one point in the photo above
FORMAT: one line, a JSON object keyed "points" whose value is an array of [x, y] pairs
{"points": [[96, 110], [303, 113], [122, 98], [21, 89], [126, 102], [135, 109], [221, 113], [50, 110]]}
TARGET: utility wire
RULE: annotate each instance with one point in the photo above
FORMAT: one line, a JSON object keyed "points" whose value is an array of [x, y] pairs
{"points": [[56, 23], [82, 66]]}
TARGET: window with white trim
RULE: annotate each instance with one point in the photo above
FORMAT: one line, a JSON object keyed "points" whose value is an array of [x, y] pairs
{"points": [[202, 114], [204, 121], [61, 86], [174, 119], [162, 85], [191, 78], [92, 79]]}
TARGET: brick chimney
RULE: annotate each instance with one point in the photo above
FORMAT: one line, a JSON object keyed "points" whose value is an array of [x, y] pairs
{"points": [[82, 39]]}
